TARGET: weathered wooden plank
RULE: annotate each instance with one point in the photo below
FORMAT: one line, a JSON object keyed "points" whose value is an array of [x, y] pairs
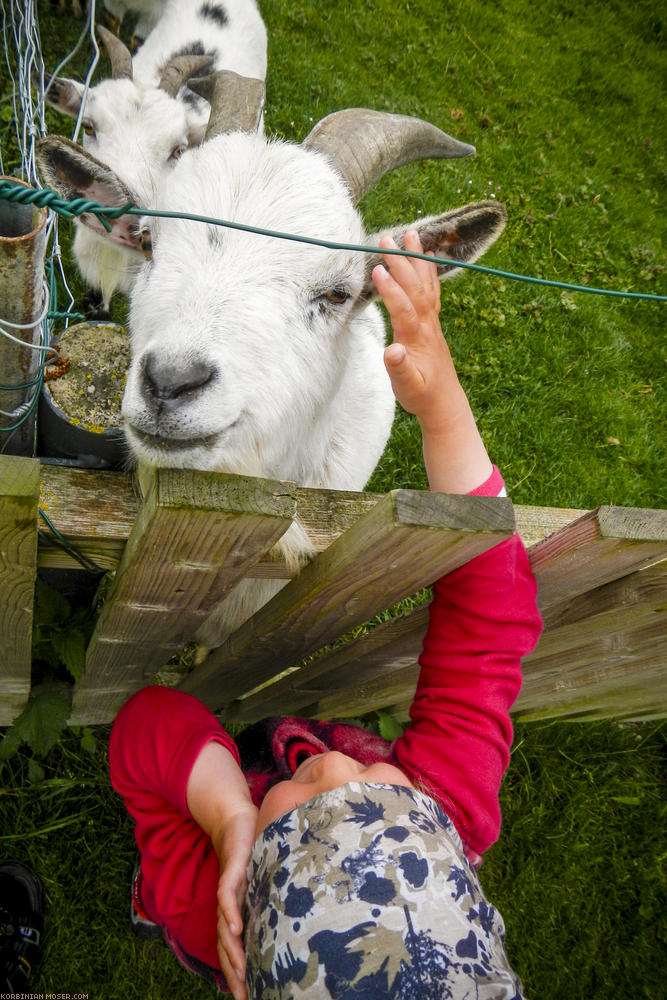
{"points": [[195, 537], [382, 691], [605, 645], [342, 676], [537, 523], [615, 646], [96, 511], [356, 666], [601, 546], [404, 542], [643, 587], [627, 684], [19, 495], [633, 689]]}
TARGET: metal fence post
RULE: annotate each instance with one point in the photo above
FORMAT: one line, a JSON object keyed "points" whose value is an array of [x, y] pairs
{"points": [[22, 250]]}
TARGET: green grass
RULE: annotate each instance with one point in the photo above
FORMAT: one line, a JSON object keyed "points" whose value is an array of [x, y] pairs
{"points": [[577, 873], [565, 104]]}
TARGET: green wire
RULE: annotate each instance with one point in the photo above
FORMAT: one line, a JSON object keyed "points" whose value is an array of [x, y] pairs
{"points": [[63, 542], [330, 245], [46, 197]]}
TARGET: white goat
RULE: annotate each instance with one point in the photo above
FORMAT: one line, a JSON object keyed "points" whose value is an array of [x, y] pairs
{"points": [[255, 355], [140, 121]]}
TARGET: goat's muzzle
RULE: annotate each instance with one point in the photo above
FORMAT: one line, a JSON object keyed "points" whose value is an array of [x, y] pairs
{"points": [[172, 386]]}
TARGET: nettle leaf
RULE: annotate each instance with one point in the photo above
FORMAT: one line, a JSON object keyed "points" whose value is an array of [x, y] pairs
{"points": [[11, 741], [88, 741], [41, 722], [45, 651], [70, 648], [388, 727]]}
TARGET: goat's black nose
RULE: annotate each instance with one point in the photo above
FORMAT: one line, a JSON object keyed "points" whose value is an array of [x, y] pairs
{"points": [[168, 382]]}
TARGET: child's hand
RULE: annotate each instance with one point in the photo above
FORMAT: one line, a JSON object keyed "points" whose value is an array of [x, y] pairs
{"points": [[233, 850], [219, 800], [422, 372], [418, 362]]}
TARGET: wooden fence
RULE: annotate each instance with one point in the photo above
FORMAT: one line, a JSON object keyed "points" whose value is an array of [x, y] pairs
{"points": [[313, 649]]}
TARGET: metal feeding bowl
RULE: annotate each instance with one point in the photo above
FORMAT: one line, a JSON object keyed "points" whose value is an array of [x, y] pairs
{"points": [[79, 421]]}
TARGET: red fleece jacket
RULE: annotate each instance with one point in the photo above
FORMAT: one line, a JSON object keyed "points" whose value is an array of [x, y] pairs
{"points": [[483, 619]]}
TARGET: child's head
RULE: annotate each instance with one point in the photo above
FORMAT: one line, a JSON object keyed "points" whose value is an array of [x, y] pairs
{"points": [[365, 890], [320, 773]]}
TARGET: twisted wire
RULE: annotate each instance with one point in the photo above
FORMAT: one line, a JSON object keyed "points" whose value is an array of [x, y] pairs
{"points": [[45, 197]]}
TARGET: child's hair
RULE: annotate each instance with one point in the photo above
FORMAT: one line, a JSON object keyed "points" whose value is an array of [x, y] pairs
{"points": [[366, 890]]}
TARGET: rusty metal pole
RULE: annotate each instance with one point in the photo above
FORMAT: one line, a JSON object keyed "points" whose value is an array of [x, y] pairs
{"points": [[22, 251]]}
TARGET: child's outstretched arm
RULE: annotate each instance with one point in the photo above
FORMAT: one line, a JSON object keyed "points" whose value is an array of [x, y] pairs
{"points": [[422, 372], [483, 617]]}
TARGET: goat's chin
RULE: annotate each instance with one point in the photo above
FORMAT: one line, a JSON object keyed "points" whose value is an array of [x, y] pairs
{"points": [[219, 452], [178, 453]]}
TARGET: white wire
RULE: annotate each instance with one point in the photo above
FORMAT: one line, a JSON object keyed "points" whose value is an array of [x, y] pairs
{"points": [[45, 337], [29, 326], [25, 65]]}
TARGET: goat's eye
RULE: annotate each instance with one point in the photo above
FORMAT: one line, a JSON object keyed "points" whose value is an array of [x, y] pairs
{"points": [[88, 127], [146, 244], [177, 152], [337, 296]]}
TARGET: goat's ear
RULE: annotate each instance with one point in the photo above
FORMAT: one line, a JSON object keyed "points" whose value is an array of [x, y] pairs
{"points": [[73, 173], [461, 234], [64, 94]]}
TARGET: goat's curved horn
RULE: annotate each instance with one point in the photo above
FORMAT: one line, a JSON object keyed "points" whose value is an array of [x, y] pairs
{"points": [[363, 144], [236, 101], [174, 73], [118, 53]]}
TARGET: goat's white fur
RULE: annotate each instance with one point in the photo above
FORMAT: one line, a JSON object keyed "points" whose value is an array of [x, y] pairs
{"points": [[301, 394]]}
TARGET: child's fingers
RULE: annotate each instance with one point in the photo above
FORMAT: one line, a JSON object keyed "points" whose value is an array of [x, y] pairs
{"points": [[417, 277], [232, 946], [232, 958], [401, 311], [411, 297], [231, 889], [402, 269], [229, 908], [424, 269]]}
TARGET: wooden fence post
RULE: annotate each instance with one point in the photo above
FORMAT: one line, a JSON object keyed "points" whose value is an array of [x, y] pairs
{"points": [[22, 249], [604, 655], [19, 494], [197, 534]]}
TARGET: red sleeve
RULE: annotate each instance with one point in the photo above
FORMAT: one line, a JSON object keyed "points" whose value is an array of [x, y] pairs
{"points": [[155, 740], [163, 732], [483, 619]]}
